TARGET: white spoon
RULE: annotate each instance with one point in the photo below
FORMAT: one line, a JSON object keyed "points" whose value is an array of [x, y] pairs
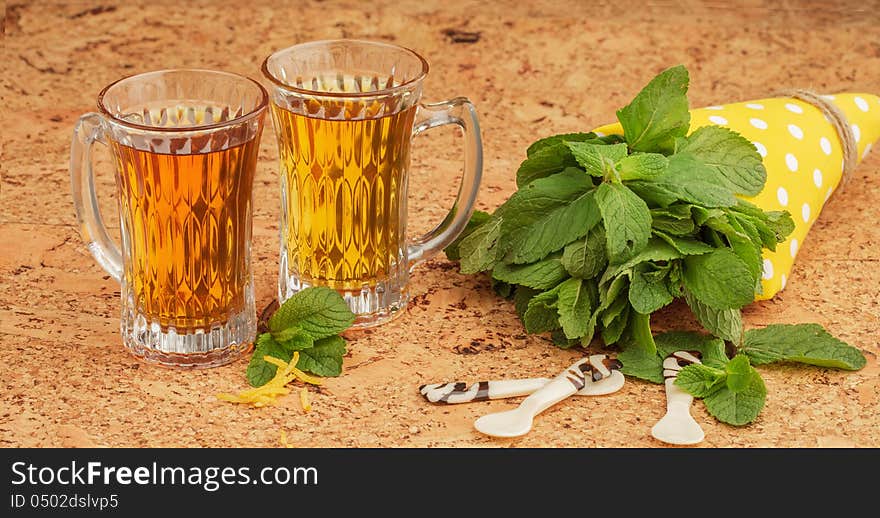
{"points": [[517, 422], [459, 392], [677, 426]]}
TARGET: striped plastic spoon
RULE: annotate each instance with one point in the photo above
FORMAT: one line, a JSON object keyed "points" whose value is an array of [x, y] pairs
{"points": [[517, 422], [677, 426], [459, 392]]}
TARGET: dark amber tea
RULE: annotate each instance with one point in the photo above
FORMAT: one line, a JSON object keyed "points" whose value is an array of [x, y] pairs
{"points": [[188, 222]]}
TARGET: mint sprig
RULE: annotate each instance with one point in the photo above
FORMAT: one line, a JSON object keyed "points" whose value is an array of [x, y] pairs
{"points": [[604, 231], [308, 322]]}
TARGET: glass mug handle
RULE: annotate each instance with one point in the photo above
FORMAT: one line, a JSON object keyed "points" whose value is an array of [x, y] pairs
{"points": [[460, 112], [89, 129]]}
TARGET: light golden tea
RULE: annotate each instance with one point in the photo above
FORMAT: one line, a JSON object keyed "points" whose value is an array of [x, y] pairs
{"points": [[345, 184], [345, 113], [188, 222]]}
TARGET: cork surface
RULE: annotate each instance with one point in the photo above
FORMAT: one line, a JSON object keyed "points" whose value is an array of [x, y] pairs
{"points": [[533, 69]]}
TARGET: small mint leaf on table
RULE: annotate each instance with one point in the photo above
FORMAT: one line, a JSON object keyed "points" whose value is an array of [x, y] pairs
{"points": [[804, 343], [700, 380], [738, 372], [259, 371], [627, 221], [729, 153], [325, 358], [319, 311], [292, 333], [740, 401], [658, 114], [477, 219]]}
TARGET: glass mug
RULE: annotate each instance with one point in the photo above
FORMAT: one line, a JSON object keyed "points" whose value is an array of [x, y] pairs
{"points": [[345, 112], [185, 145]]}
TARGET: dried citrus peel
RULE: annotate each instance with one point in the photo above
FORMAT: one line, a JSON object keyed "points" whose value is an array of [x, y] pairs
{"points": [[267, 394]]}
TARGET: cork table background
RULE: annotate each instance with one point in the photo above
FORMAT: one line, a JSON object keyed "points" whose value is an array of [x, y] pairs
{"points": [[533, 69]]}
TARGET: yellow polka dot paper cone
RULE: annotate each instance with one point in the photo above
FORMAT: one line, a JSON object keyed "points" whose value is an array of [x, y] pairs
{"points": [[803, 156]]}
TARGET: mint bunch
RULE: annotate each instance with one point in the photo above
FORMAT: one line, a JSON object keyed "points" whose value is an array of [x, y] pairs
{"points": [[309, 322], [605, 230]]}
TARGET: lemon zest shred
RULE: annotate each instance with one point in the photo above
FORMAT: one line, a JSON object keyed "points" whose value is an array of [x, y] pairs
{"points": [[283, 440], [268, 393], [304, 399]]}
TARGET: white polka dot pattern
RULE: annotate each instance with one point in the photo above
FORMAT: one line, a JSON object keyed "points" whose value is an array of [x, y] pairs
{"points": [[803, 156]]}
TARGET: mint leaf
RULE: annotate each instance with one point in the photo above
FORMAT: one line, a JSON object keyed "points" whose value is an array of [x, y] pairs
{"points": [[729, 153], [719, 279], [319, 311], [541, 314], [700, 380], [641, 166], [640, 363], [738, 372], [647, 289], [597, 159], [560, 139], [723, 323], [627, 221], [685, 179], [710, 348], [577, 299], [655, 250], [803, 343], [478, 251], [738, 407], [521, 298], [544, 162], [325, 358], [289, 333], [586, 258], [659, 113], [746, 246], [477, 219], [546, 215], [773, 226], [541, 275], [259, 371], [685, 245], [614, 329], [294, 339]]}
